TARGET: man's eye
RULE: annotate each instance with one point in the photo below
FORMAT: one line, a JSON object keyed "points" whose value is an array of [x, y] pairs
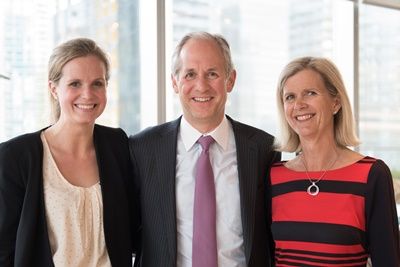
{"points": [[213, 75], [189, 76], [98, 84]]}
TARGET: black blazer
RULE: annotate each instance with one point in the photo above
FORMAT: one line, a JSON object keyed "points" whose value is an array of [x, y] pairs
{"points": [[23, 230], [153, 154]]}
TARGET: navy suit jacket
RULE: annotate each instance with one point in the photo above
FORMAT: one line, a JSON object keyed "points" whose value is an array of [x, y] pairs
{"points": [[153, 154], [23, 230]]}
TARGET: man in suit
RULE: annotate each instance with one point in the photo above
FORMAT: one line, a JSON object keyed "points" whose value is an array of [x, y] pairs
{"points": [[164, 159]]}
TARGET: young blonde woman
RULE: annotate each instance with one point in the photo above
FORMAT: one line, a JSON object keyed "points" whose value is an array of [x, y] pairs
{"points": [[63, 199]]}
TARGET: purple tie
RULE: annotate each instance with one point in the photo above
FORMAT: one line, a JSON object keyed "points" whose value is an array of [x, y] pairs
{"points": [[204, 250]]}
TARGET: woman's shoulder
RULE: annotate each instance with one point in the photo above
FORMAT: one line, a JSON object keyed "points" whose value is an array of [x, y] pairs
{"points": [[107, 139], [372, 168], [280, 164], [109, 132], [21, 142], [373, 163], [378, 166]]}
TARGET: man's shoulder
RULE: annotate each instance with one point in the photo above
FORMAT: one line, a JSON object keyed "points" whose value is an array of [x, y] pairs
{"points": [[251, 131], [156, 131]]}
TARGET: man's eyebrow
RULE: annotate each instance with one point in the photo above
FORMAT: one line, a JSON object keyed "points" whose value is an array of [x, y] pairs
{"points": [[188, 69]]}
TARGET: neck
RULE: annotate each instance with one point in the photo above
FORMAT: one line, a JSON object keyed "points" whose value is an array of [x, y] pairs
{"points": [[205, 127], [77, 140], [325, 167], [320, 156]]}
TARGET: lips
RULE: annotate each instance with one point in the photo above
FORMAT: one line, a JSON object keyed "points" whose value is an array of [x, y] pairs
{"points": [[202, 99], [304, 117], [85, 106]]}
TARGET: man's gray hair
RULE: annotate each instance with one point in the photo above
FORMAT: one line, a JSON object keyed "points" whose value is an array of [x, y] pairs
{"points": [[218, 39]]}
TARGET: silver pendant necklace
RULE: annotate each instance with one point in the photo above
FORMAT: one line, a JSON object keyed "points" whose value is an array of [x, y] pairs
{"points": [[313, 188]]}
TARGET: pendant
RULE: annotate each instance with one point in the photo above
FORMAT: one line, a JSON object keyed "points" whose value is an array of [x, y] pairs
{"points": [[313, 189]]}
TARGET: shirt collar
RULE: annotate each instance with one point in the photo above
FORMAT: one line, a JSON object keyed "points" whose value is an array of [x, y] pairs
{"points": [[190, 135]]}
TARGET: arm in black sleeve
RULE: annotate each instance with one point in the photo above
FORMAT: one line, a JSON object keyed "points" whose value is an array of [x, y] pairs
{"points": [[11, 200], [381, 217]]}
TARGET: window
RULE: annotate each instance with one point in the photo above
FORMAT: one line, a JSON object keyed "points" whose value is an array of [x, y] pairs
{"points": [[29, 30], [379, 84]]}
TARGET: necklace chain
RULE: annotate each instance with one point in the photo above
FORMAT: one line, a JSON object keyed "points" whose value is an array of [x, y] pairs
{"points": [[313, 189]]}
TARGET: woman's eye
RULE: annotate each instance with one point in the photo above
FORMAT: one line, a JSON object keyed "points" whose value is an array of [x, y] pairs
{"points": [[310, 93], [74, 84], [289, 97], [98, 84]]}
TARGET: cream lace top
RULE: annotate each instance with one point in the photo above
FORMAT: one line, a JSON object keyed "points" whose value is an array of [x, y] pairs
{"points": [[74, 218]]}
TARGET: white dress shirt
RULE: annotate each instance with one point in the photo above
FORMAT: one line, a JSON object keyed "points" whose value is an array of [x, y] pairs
{"points": [[224, 163]]}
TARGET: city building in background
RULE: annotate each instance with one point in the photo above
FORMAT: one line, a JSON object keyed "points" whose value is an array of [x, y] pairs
{"points": [[114, 25], [25, 40], [380, 84]]}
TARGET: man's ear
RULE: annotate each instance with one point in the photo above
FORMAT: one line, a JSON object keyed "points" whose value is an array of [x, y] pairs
{"points": [[230, 83], [174, 83]]}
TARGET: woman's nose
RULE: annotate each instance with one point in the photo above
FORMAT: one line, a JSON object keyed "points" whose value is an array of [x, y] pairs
{"points": [[299, 103], [86, 91]]}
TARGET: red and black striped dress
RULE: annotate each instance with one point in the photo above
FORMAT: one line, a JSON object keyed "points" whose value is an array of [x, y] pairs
{"points": [[353, 217]]}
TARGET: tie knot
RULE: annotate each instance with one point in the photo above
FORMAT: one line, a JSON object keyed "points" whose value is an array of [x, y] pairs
{"points": [[205, 142]]}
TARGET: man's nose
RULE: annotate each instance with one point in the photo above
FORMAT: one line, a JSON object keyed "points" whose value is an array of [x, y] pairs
{"points": [[202, 83]]}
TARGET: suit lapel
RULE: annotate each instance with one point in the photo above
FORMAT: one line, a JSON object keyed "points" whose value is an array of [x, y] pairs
{"points": [[247, 154], [166, 166]]}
